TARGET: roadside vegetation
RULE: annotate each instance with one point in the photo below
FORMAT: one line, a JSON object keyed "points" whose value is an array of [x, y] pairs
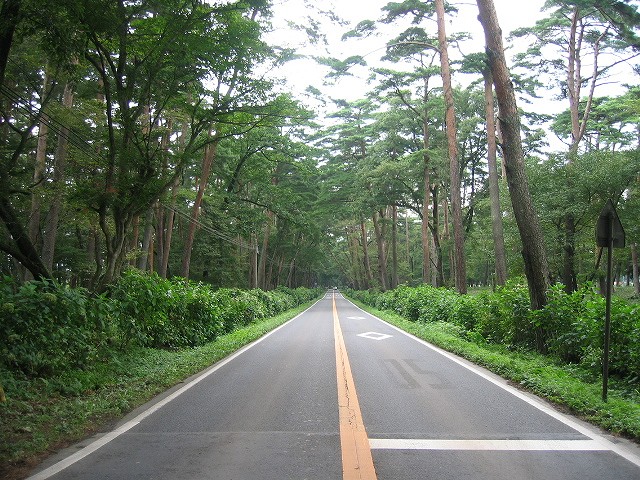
{"points": [[554, 352], [108, 354]]}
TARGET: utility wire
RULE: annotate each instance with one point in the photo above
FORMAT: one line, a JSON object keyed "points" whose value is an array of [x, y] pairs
{"points": [[75, 139], [24, 105], [208, 228]]}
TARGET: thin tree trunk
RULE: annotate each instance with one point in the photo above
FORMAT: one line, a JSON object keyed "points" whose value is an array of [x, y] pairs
{"points": [[264, 251], [382, 260], [356, 264], [253, 262], [62, 150], [436, 239], [394, 246], [144, 260], [23, 251], [578, 128], [158, 238], [207, 162], [39, 175], [170, 218], [408, 245], [280, 269], [426, 183], [134, 242], [268, 284], [533, 252], [365, 254], [634, 261], [494, 187], [291, 276], [96, 256], [460, 267]]}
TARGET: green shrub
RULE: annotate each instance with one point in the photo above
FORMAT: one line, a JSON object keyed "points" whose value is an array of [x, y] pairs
{"points": [[143, 303], [47, 328], [368, 297], [572, 323], [570, 327], [465, 311], [506, 318]]}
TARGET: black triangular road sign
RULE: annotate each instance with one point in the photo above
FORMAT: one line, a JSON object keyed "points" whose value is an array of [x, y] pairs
{"points": [[609, 226]]}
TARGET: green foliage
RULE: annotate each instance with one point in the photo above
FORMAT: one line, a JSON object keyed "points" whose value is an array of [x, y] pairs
{"points": [[41, 413], [506, 317], [159, 313], [570, 327], [46, 327]]}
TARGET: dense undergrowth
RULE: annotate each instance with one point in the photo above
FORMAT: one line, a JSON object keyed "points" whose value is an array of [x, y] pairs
{"points": [[569, 328], [555, 352], [47, 328], [70, 360]]}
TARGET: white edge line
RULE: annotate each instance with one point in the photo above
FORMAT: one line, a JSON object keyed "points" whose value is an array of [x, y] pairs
{"points": [[108, 437], [486, 445], [607, 444]]}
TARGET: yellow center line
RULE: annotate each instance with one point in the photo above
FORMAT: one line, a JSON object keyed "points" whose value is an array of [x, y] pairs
{"points": [[357, 462]]}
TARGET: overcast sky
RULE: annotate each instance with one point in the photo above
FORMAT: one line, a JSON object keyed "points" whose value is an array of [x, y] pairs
{"points": [[300, 74]]}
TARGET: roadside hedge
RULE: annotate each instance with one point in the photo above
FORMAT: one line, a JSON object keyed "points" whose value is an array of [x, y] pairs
{"points": [[47, 328], [570, 327]]}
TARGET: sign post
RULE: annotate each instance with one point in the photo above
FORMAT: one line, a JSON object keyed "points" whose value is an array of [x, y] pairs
{"points": [[609, 234]]}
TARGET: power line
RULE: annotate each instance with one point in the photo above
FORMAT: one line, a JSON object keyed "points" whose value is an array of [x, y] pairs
{"points": [[208, 228], [75, 139]]}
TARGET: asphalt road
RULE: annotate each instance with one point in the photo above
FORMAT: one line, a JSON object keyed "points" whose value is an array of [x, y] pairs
{"points": [[324, 394]]}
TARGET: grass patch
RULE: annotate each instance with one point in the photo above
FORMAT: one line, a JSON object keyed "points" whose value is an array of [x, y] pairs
{"points": [[41, 416], [566, 386]]}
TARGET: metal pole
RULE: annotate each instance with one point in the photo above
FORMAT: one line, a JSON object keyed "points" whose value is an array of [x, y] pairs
{"points": [[607, 315]]}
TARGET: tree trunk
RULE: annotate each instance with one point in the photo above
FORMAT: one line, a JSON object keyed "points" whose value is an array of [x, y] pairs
{"points": [[407, 239], [207, 162], [578, 128], [460, 267], [533, 252], [22, 248], [95, 255], [365, 253], [394, 246], [10, 15], [62, 150], [291, 276], [168, 231], [569, 251], [115, 238], [262, 281], [144, 260], [253, 262], [382, 260], [159, 237], [494, 187], [356, 264], [134, 241], [634, 261], [439, 280], [426, 183], [39, 174]]}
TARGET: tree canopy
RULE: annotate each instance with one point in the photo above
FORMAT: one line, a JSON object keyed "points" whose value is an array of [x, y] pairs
{"points": [[154, 134]]}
